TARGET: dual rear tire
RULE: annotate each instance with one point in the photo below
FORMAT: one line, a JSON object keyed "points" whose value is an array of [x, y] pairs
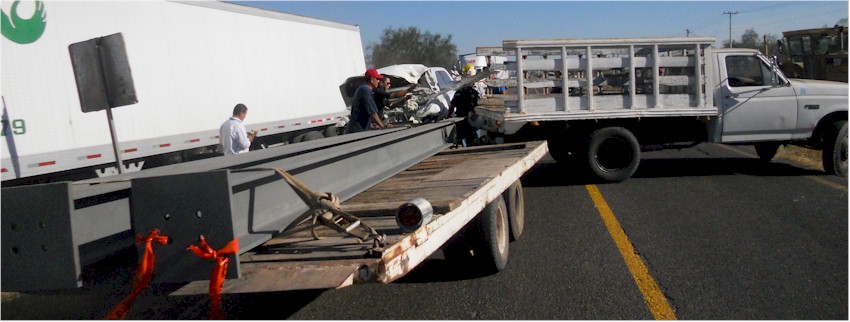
{"points": [[609, 154]]}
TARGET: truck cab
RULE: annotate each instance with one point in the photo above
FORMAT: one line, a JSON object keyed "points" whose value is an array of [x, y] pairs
{"points": [[758, 104]]}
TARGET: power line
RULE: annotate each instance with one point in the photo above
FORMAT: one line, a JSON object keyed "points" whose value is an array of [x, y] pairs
{"points": [[776, 6]]}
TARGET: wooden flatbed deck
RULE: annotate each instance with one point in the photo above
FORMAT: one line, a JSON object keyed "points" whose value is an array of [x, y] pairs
{"points": [[457, 182]]}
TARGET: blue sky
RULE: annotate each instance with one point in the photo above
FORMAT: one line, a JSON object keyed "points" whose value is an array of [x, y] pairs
{"points": [[487, 23]]}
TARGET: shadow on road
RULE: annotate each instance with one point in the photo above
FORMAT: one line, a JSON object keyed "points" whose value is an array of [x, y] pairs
{"points": [[549, 173], [438, 269], [664, 168]]}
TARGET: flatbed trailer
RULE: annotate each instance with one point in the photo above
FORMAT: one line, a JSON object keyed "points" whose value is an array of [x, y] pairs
{"points": [[461, 184], [458, 183]]}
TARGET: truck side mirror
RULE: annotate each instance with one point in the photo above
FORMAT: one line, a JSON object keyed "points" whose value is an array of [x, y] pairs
{"points": [[780, 46]]}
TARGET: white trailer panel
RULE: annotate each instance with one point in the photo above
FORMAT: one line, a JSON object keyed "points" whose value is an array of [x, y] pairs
{"points": [[191, 63]]}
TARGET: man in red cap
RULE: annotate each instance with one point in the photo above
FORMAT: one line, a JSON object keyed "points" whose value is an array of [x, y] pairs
{"points": [[363, 105]]}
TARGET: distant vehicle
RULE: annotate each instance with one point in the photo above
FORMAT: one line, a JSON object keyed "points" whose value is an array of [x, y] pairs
{"points": [[815, 53]]}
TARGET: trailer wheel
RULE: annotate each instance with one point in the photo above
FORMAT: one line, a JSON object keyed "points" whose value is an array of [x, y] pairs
{"points": [[766, 150], [298, 138], [835, 150], [330, 131], [613, 154], [491, 251], [312, 135], [515, 205]]}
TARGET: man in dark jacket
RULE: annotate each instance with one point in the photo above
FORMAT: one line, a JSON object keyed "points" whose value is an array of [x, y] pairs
{"points": [[363, 107], [463, 105]]}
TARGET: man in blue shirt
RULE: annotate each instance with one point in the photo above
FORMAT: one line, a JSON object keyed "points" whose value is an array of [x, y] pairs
{"points": [[234, 138], [363, 107]]}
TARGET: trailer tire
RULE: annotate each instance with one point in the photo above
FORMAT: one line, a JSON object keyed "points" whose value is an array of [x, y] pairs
{"points": [[312, 135], [515, 204], [613, 154], [835, 150], [492, 247], [330, 131], [298, 138], [766, 150]]}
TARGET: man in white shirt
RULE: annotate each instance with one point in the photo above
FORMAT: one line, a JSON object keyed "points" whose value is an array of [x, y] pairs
{"points": [[234, 138]]}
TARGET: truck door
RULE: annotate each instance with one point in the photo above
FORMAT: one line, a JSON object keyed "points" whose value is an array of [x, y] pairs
{"points": [[753, 108]]}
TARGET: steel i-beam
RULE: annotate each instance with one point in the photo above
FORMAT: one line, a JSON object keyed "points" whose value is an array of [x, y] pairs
{"points": [[253, 207], [50, 231]]}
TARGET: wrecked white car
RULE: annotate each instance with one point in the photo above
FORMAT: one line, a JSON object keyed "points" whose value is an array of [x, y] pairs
{"points": [[429, 102]]}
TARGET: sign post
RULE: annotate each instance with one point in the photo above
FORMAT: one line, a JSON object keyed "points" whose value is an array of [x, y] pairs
{"points": [[104, 79]]}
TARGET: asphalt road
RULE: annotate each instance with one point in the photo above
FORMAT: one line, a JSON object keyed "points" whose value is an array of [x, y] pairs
{"points": [[721, 235]]}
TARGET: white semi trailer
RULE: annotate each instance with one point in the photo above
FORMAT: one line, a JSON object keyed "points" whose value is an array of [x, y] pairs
{"points": [[191, 63]]}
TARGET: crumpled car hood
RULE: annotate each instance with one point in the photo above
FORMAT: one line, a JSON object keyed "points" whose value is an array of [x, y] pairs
{"points": [[409, 72]]}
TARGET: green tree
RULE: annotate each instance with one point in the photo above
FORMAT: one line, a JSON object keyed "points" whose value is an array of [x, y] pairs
{"points": [[410, 46], [751, 39]]}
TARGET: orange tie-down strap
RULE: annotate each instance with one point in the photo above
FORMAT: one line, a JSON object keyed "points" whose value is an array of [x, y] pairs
{"points": [[144, 273], [219, 271]]}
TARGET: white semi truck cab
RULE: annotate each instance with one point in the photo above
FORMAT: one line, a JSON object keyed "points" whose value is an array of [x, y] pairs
{"points": [[624, 96]]}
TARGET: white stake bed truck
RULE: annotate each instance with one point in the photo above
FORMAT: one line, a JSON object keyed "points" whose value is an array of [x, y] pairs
{"points": [[191, 62], [602, 102]]}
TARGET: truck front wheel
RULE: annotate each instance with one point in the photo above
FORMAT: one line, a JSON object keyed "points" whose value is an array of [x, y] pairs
{"points": [[835, 150], [613, 154]]}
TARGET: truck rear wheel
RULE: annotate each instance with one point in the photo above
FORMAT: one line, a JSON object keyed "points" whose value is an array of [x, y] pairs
{"points": [[491, 249], [835, 150], [516, 209], [613, 154], [766, 150]]}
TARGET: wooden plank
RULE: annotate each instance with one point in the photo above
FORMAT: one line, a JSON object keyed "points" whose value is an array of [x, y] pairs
{"points": [[472, 169], [263, 277]]}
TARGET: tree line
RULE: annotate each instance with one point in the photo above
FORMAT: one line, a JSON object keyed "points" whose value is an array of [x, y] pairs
{"points": [[409, 45]]}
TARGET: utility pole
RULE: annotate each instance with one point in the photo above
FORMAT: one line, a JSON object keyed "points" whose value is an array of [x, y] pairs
{"points": [[730, 13]]}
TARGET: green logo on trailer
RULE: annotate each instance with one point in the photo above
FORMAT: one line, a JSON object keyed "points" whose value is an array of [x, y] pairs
{"points": [[24, 31]]}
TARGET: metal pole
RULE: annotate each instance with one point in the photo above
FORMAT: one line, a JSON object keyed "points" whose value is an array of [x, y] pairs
{"points": [[730, 25], [565, 87], [119, 163]]}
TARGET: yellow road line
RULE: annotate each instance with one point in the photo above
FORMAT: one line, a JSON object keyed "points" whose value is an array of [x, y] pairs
{"points": [[652, 295]]}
